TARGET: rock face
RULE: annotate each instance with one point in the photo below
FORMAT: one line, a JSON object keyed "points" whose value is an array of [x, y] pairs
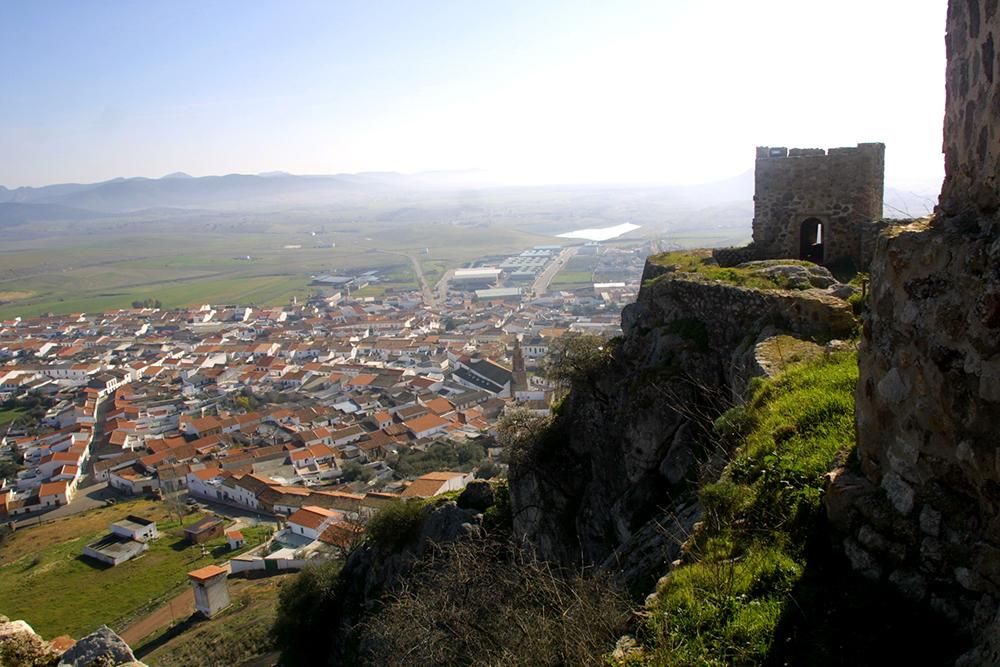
{"points": [[616, 485], [924, 509]]}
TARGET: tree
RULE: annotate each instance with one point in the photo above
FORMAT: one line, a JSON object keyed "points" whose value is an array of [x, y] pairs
{"points": [[357, 472], [307, 605], [576, 358], [520, 432]]}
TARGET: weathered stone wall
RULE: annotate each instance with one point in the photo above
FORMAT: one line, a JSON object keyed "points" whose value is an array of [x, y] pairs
{"points": [[972, 112], [842, 188], [731, 312], [924, 509], [734, 256]]}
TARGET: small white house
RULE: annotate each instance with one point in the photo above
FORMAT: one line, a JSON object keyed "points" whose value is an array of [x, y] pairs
{"points": [[235, 540], [135, 528], [310, 521]]}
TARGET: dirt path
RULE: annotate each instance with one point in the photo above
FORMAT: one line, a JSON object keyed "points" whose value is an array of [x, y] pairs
{"points": [[177, 608], [428, 294]]}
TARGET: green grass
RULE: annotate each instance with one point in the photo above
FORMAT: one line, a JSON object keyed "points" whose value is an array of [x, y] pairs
{"points": [[724, 605], [572, 280], [701, 264], [58, 591], [433, 269], [7, 416]]}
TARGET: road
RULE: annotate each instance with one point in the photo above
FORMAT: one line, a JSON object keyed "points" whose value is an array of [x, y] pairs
{"points": [[442, 287], [178, 607], [425, 289], [89, 493], [541, 284]]}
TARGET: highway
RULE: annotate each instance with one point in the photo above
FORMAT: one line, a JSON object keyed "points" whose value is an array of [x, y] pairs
{"points": [[541, 284]]}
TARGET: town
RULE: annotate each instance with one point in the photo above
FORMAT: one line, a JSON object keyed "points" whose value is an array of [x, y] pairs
{"points": [[293, 424]]}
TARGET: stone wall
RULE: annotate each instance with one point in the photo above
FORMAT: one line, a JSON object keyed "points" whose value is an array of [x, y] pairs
{"points": [[841, 188], [972, 112], [923, 509], [731, 312]]}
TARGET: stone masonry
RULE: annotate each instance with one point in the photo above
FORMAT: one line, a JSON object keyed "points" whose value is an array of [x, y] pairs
{"points": [[839, 190], [923, 509]]}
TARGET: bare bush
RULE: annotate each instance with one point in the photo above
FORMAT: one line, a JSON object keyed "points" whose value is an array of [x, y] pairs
{"points": [[483, 602]]}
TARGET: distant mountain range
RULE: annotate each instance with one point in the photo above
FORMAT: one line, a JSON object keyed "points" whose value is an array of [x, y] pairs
{"points": [[278, 189], [233, 191]]}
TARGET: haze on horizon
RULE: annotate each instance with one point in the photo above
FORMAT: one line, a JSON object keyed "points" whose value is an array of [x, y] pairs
{"points": [[561, 91]]}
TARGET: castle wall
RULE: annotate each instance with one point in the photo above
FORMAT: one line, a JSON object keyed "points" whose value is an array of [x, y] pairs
{"points": [[842, 188], [972, 110], [924, 509]]}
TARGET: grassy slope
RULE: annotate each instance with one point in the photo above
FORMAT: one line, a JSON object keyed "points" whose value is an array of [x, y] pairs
{"points": [[46, 581], [724, 606], [238, 634], [7, 416], [760, 584], [701, 263]]}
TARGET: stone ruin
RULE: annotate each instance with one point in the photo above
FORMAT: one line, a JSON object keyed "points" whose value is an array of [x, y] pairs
{"points": [[824, 206], [921, 509]]}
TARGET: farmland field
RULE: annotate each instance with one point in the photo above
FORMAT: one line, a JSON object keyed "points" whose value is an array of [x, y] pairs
{"points": [[46, 581], [187, 257]]}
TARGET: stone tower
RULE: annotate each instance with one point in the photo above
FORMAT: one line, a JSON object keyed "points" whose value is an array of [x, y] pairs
{"points": [[817, 204], [520, 379]]}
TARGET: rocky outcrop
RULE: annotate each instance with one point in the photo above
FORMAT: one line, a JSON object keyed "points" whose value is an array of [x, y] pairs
{"points": [[798, 275], [102, 647], [20, 645], [614, 483]]}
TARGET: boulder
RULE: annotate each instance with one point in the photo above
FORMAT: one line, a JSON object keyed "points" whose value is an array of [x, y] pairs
{"points": [[101, 645], [798, 275]]}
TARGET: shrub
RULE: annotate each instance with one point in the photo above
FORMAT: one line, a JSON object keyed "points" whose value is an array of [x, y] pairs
{"points": [[396, 524], [305, 606], [480, 602]]}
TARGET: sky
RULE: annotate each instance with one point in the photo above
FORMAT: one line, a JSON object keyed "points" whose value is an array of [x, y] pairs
{"points": [[535, 91]]}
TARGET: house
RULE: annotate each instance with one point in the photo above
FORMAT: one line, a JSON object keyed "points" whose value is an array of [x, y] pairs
{"points": [[135, 528], [436, 483], [114, 549], [310, 521], [128, 538], [426, 426], [204, 530], [211, 592], [235, 540], [54, 494]]}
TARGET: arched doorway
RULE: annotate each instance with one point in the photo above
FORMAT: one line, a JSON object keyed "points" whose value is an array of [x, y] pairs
{"points": [[811, 240]]}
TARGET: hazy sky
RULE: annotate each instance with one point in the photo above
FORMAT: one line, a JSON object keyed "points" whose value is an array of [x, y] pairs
{"points": [[536, 90]]}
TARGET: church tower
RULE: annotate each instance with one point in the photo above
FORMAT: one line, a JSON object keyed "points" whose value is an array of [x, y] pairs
{"points": [[520, 382]]}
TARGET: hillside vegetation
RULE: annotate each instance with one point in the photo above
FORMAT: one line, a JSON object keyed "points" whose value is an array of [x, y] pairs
{"points": [[759, 584]]}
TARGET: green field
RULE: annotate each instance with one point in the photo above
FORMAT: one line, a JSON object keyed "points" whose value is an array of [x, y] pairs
{"points": [[572, 280], [7, 416], [57, 591], [263, 257]]}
